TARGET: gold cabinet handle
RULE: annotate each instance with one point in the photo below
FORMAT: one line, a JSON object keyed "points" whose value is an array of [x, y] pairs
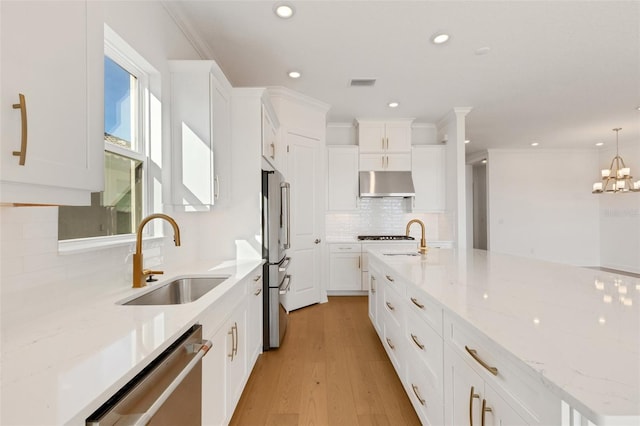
{"points": [[257, 278], [234, 340], [382, 161], [415, 391], [359, 261], [390, 343], [474, 355], [257, 292], [472, 395], [373, 287], [390, 306], [389, 278], [418, 304], [382, 140], [416, 341], [235, 348], [273, 150], [22, 106], [485, 409], [231, 333]]}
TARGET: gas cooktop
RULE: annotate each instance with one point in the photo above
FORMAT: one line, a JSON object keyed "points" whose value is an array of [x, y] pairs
{"points": [[384, 237]]}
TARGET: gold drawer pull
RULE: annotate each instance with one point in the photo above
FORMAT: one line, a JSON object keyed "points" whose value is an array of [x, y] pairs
{"points": [[415, 302], [472, 395], [257, 292], [415, 340], [257, 278], [390, 343], [415, 391], [389, 278], [22, 106], [390, 306], [485, 409], [474, 355]]}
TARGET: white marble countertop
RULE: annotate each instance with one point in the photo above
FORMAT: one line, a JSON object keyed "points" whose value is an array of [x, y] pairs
{"points": [[75, 357], [577, 329]]}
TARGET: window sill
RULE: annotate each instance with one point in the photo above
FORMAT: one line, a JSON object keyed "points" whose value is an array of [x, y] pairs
{"points": [[95, 244]]}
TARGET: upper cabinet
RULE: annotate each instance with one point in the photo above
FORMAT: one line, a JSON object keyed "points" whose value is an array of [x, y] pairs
{"points": [[342, 175], [385, 145], [384, 136], [272, 150], [201, 135], [52, 102], [428, 171]]}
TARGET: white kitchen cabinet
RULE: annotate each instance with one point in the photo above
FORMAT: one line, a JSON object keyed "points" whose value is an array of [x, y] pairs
{"points": [[254, 319], [200, 127], [59, 70], [388, 162], [428, 171], [384, 136], [236, 368], [375, 297], [342, 175], [470, 400], [272, 150], [345, 267]]}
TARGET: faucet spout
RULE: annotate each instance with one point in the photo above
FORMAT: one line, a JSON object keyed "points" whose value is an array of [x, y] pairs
{"points": [[423, 240], [140, 274]]}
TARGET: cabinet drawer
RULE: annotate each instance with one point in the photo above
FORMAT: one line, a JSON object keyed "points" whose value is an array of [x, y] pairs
{"points": [[425, 308], [425, 397], [392, 303], [393, 281], [345, 248], [527, 393], [393, 342], [427, 346]]}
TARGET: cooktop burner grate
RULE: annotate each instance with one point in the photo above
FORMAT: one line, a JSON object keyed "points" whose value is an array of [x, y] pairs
{"points": [[384, 237]]}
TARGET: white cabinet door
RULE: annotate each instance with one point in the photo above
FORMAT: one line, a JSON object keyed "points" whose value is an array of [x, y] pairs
{"points": [[52, 53], [236, 329], [342, 162], [200, 125], [345, 271], [501, 413], [371, 136], [214, 409], [428, 170], [271, 149], [375, 286], [388, 162], [254, 318], [372, 162], [307, 213], [398, 136], [464, 391]]}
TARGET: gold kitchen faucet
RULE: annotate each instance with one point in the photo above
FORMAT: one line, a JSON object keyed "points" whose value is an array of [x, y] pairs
{"points": [[140, 274], [423, 241]]}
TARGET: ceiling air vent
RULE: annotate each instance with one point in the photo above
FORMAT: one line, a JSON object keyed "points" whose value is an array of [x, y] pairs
{"points": [[362, 82]]}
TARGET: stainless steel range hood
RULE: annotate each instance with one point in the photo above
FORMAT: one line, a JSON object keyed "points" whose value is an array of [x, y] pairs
{"points": [[386, 184]]}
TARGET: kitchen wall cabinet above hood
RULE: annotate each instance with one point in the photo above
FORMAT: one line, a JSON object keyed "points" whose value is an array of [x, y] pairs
{"points": [[386, 184]]}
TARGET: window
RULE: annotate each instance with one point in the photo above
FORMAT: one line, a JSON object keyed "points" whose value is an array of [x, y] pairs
{"points": [[119, 208]]}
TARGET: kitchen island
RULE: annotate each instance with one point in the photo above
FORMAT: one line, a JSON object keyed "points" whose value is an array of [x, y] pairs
{"points": [[508, 339]]}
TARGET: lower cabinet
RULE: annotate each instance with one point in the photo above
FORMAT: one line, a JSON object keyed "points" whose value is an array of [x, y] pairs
{"points": [[345, 267], [234, 327], [470, 399]]}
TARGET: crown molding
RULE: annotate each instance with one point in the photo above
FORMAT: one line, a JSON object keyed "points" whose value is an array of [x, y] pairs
{"points": [[176, 12]]}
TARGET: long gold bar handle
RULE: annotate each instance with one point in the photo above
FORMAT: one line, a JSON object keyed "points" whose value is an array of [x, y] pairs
{"points": [[472, 395], [22, 106], [416, 341], [474, 354], [485, 409], [418, 304], [373, 284], [415, 391]]}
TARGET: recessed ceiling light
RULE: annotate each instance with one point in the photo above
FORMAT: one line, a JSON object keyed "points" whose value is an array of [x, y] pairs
{"points": [[284, 10], [638, 108], [467, 141], [599, 143], [393, 104], [440, 38], [535, 143], [294, 74]]}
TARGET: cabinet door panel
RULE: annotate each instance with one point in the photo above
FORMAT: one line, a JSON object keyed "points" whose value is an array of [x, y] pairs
{"points": [[343, 178], [501, 413], [427, 168], [464, 391], [371, 137], [398, 137], [64, 149], [398, 162], [345, 271]]}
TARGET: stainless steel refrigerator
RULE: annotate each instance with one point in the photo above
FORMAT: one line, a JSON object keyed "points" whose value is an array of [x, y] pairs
{"points": [[276, 226]]}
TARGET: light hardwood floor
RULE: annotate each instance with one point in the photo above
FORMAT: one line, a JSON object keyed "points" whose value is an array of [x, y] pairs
{"points": [[330, 370]]}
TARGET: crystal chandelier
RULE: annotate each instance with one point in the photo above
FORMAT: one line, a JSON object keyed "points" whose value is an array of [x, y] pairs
{"points": [[617, 178]]}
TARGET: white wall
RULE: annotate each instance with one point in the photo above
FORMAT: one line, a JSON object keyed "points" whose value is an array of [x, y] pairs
{"points": [[541, 206], [620, 215]]}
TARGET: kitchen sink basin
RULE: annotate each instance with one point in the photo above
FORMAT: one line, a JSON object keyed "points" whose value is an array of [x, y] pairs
{"points": [[179, 291], [413, 253]]}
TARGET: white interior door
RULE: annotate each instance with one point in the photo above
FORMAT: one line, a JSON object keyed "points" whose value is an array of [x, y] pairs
{"points": [[305, 176]]}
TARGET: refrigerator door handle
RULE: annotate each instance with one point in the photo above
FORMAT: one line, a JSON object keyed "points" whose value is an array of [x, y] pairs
{"points": [[285, 289], [285, 190], [285, 264]]}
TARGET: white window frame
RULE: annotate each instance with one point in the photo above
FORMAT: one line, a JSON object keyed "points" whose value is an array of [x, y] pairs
{"points": [[131, 61]]}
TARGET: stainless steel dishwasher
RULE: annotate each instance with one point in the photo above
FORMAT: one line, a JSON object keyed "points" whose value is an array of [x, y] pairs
{"points": [[166, 392]]}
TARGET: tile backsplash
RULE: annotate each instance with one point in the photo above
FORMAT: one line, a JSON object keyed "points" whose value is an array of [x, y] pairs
{"points": [[387, 216]]}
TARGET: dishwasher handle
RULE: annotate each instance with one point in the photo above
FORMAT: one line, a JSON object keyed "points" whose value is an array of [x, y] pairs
{"points": [[157, 404]]}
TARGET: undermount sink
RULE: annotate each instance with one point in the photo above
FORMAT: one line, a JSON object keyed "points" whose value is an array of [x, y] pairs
{"points": [[413, 253], [179, 291]]}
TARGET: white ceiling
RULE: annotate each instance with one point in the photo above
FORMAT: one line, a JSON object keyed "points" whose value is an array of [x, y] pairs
{"points": [[563, 73]]}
